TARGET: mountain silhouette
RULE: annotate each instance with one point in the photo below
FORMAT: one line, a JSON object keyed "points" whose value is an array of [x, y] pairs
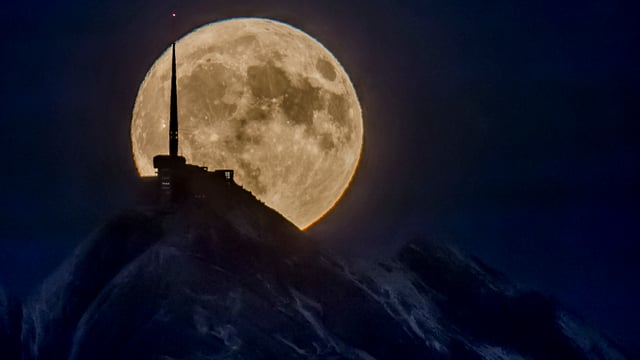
{"points": [[10, 313], [229, 278]]}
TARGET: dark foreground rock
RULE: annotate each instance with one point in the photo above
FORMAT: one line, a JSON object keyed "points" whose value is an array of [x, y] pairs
{"points": [[10, 313]]}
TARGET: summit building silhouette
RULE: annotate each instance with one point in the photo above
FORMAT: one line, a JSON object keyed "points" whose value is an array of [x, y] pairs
{"points": [[176, 180]]}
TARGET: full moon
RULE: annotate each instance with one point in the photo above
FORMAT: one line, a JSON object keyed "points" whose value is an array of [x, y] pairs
{"points": [[262, 98]]}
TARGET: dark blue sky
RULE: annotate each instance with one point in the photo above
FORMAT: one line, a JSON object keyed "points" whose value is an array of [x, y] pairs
{"points": [[507, 128]]}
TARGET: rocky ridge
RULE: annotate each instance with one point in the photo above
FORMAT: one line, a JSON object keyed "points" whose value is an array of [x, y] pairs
{"points": [[232, 279]]}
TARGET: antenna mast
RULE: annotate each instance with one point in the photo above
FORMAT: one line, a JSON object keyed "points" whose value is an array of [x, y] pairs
{"points": [[173, 115]]}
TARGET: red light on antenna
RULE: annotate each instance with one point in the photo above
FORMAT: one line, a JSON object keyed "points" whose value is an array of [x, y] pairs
{"points": [[174, 14]]}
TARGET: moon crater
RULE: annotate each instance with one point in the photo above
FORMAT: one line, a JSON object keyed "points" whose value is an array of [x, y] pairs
{"points": [[265, 99]]}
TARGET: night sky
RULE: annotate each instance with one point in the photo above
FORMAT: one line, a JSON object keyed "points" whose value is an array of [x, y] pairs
{"points": [[508, 129]]}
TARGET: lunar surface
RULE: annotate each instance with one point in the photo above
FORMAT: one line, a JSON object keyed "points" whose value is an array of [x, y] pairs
{"points": [[262, 98]]}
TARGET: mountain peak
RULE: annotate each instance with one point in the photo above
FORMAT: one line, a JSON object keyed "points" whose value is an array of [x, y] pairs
{"points": [[231, 278]]}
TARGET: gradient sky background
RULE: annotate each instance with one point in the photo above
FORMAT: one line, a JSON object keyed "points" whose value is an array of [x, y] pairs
{"points": [[506, 128]]}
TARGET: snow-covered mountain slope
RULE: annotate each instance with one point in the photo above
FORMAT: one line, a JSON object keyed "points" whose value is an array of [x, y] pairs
{"points": [[232, 279]]}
